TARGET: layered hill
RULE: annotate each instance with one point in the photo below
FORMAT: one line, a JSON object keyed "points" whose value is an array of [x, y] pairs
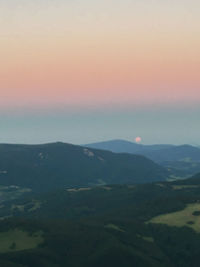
{"points": [[123, 146], [158, 153], [183, 160], [57, 165]]}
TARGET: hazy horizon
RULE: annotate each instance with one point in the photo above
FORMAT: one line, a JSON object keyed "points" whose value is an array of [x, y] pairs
{"points": [[153, 125], [83, 71]]}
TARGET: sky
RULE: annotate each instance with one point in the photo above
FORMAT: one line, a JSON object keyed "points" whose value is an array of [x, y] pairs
{"points": [[88, 70]]}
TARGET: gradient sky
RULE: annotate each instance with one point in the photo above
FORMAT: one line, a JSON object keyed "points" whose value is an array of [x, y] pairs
{"points": [[81, 71]]}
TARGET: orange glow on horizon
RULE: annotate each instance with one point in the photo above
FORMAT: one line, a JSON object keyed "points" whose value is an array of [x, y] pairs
{"points": [[65, 54]]}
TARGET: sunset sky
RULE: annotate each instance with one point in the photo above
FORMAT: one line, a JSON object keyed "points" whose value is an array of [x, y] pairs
{"points": [[88, 70]]}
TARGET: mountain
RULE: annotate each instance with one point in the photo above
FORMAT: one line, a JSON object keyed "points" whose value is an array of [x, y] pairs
{"points": [[57, 165], [185, 153], [123, 146], [183, 161], [158, 153]]}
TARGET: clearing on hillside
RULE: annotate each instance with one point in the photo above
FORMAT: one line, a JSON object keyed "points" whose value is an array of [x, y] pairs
{"points": [[187, 217], [17, 240]]}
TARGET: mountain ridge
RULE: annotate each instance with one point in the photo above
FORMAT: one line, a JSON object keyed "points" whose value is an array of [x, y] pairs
{"points": [[67, 165], [182, 160]]}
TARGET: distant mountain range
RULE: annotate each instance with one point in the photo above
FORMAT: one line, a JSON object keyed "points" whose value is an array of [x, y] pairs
{"points": [[57, 165], [157, 153], [123, 146], [184, 160]]}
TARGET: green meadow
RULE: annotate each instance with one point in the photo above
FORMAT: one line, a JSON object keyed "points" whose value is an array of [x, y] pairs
{"points": [[190, 216], [17, 240]]}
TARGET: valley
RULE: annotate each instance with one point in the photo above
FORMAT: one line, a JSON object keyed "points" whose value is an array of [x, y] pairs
{"points": [[130, 214]]}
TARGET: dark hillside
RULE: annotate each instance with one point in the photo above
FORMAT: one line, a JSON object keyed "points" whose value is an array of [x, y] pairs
{"points": [[58, 165], [104, 226]]}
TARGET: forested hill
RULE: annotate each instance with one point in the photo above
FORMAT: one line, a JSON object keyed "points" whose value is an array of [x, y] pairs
{"points": [[127, 201], [149, 225], [57, 165]]}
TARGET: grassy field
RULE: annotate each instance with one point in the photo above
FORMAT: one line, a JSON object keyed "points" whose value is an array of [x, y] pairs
{"points": [[181, 218], [146, 238], [115, 227], [17, 240], [180, 187]]}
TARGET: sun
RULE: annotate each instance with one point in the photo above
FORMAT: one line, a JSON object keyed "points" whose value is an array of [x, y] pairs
{"points": [[138, 139]]}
